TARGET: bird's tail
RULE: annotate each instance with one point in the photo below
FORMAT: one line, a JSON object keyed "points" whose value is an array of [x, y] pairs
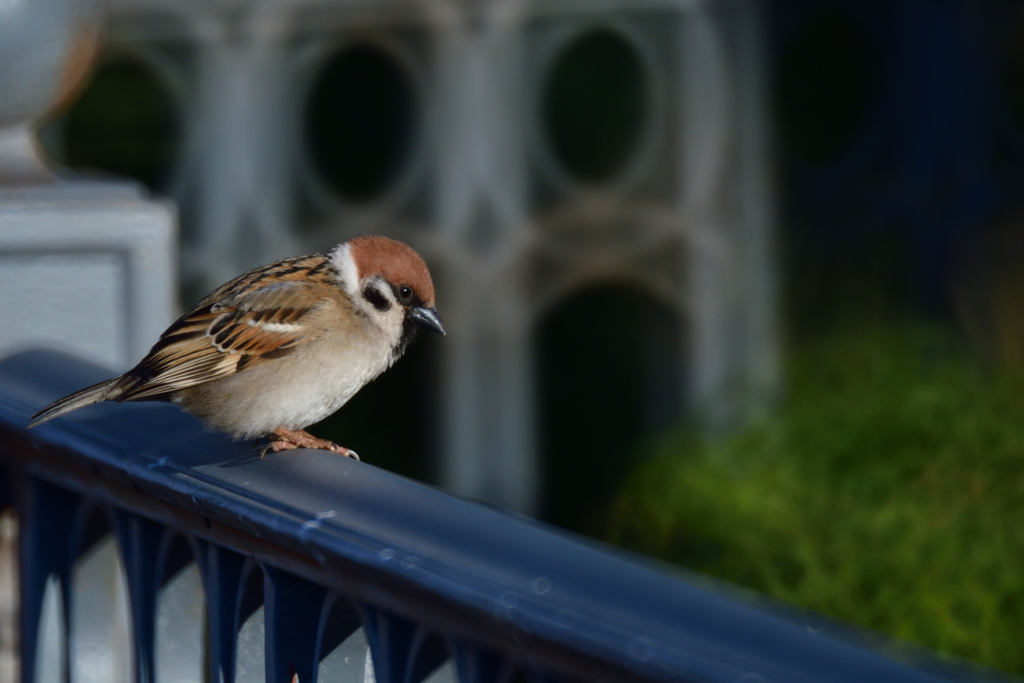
{"points": [[79, 399]]}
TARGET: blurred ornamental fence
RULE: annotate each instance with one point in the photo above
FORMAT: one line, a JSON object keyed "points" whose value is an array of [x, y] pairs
{"points": [[152, 551], [538, 154]]}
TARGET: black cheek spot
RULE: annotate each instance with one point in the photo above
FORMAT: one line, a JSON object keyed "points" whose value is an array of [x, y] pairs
{"points": [[378, 300]]}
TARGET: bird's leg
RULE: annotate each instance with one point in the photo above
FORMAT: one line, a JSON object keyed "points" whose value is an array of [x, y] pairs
{"points": [[300, 438]]}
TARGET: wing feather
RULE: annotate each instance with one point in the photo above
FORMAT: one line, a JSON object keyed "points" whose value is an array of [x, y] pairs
{"points": [[244, 326]]}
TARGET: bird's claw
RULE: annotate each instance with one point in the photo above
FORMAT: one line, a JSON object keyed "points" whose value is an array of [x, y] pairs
{"points": [[341, 450], [289, 439], [277, 446]]}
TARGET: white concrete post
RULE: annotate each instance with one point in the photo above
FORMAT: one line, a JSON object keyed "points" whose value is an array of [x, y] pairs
{"points": [[85, 266]]}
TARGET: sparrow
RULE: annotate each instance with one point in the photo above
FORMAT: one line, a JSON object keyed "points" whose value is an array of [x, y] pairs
{"points": [[283, 346]]}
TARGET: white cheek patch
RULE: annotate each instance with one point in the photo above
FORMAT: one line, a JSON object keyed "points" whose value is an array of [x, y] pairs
{"points": [[341, 259], [276, 327]]}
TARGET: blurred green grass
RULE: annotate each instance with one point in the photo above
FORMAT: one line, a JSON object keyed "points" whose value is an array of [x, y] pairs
{"points": [[886, 491]]}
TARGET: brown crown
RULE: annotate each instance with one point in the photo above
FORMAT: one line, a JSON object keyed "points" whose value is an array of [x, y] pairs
{"points": [[396, 262]]}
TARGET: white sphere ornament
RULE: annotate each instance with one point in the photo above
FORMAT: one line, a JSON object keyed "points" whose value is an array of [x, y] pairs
{"points": [[46, 49]]}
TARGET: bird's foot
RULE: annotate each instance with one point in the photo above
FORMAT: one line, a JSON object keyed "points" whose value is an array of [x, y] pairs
{"points": [[288, 439]]}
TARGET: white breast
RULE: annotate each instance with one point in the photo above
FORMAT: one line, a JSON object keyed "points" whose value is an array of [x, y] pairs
{"points": [[295, 391]]}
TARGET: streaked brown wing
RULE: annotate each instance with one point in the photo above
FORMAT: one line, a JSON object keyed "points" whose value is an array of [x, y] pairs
{"points": [[219, 339]]}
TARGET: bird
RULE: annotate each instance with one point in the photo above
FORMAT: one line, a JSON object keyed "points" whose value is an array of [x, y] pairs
{"points": [[284, 345]]}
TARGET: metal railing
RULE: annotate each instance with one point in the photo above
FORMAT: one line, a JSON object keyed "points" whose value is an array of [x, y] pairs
{"points": [[152, 551]]}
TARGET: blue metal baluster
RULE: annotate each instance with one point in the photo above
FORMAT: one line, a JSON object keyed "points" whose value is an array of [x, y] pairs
{"points": [[223, 577], [342, 653], [429, 655], [475, 665], [140, 541], [45, 518], [390, 639], [293, 608]]}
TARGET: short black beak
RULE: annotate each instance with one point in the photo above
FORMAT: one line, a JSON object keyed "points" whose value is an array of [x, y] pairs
{"points": [[427, 317]]}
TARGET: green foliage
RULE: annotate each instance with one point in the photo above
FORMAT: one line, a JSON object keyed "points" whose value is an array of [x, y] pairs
{"points": [[888, 492]]}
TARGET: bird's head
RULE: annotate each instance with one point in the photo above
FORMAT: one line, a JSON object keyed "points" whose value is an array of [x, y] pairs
{"points": [[389, 283]]}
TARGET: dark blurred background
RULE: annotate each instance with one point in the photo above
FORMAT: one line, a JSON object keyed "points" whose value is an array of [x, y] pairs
{"points": [[737, 284]]}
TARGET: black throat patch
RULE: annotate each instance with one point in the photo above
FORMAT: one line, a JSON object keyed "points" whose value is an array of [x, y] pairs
{"points": [[409, 331]]}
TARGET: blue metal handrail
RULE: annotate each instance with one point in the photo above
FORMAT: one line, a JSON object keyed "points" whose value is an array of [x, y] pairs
{"points": [[508, 598]]}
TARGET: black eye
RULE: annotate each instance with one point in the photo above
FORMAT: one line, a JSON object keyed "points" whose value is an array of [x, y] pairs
{"points": [[405, 292]]}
